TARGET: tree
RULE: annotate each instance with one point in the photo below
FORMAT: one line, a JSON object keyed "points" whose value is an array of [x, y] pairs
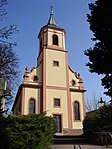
{"points": [[8, 59], [99, 120], [93, 103], [97, 123], [26, 131], [100, 56]]}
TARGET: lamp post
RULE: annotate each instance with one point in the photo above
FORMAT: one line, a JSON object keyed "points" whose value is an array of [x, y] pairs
{"points": [[101, 102]]}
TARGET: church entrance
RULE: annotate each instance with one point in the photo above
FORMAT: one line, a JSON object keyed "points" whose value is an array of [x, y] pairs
{"points": [[57, 119]]}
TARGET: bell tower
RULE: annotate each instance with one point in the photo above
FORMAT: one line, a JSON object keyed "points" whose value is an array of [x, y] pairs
{"points": [[51, 36], [53, 60]]}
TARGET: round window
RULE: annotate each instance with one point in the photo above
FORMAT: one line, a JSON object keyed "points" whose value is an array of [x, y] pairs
{"points": [[35, 78], [73, 82]]}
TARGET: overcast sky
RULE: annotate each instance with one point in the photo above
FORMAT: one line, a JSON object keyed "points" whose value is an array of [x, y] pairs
{"points": [[31, 15]]}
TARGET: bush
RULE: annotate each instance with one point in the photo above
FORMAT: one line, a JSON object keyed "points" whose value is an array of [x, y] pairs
{"points": [[27, 132], [99, 120]]}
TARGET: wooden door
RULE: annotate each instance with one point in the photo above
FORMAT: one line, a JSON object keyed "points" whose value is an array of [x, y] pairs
{"points": [[57, 119]]}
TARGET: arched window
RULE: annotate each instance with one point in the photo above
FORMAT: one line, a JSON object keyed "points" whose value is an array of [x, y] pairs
{"points": [[76, 111], [32, 106], [55, 40]]}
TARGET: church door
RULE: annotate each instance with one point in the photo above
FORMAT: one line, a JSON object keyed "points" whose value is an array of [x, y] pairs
{"points": [[57, 119]]}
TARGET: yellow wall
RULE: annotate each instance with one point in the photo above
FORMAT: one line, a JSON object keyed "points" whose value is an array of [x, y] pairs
{"points": [[76, 96], [60, 35], [32, 74], [55, 76], [45, 38], [16, 109], [39, 73], [31, 93], [39, 59], [73, 77], [39, 67], [62, 94]]}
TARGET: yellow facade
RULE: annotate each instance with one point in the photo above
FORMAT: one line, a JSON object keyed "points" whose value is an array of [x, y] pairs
{"points": [[77, 97], [55, 76], [52, 86], [62, 95], [31, 93]]}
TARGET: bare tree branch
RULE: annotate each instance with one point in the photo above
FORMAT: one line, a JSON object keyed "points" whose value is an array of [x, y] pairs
{"points": [[6, 32], [9, 62], [2, 9], [93, 103]]}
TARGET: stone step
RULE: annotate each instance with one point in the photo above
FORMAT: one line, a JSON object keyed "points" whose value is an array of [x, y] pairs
{"points": [[72, 131], [68, 140]]}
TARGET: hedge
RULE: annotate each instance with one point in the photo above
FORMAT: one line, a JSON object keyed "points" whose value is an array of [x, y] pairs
{"points": [[26, 132]]}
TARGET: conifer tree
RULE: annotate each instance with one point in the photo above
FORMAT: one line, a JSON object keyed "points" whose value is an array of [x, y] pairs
{"points": [[100, 56]]}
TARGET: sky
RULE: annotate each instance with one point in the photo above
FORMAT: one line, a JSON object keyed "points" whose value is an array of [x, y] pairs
{"points": [[31, 15]]}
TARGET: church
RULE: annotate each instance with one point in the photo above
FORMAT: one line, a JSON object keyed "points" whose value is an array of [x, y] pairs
{"points": [[52, 86]]}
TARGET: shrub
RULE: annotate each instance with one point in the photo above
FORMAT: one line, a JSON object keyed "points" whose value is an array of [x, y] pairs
{"points": [[27, 132], [99, 120]]}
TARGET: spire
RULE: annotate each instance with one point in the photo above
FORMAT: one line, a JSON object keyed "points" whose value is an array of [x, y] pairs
{"points": [[51, 21]]}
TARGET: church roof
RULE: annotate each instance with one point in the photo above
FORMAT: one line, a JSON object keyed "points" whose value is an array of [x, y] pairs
{"points": [[51, 21]]}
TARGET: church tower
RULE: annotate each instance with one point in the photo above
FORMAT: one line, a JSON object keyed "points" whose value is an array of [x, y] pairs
{"points": [[52, 86]]}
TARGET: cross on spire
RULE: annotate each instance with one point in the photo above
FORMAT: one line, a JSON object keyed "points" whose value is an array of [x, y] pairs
{"points": [[51, 11], [51, 21]]}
